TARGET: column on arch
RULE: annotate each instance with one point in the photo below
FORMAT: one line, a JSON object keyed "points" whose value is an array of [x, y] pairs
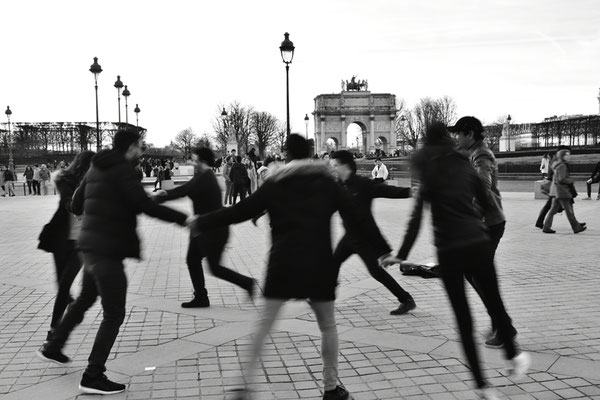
{"points": [[343, 138], [392, 140], [322, 135], [372, 133]]}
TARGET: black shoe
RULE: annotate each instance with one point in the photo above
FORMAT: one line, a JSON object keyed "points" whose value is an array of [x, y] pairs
{"points": [[100, 385], [197, 302], [53, 357], [541, 226], [495, 342], [339, 393], [404, 307], [241, 394], [583, 228], [548, 231]]}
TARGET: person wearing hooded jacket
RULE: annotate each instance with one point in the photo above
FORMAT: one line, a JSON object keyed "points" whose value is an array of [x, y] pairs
{"points": [[560, 192], [301, 198], [109, 197]]}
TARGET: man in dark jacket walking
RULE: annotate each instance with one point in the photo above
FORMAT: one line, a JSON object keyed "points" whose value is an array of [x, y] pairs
{"points": [[363, 191], [109, 197], [205, 193], [239, 178], [301, 198]]}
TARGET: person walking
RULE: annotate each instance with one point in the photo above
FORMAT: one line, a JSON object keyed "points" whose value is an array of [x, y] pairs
{"points": [[594, 178], [363, 191], [44, 179], [545, 165], [28, 175], [252, 178], [60, 234], [109, 197], [380, 172], [301, 198], [228, 184], [470, 138], [561, 193], [2, 186], [449, 183], [9, 182], [239, 179], [35, 181], [205, 193]]}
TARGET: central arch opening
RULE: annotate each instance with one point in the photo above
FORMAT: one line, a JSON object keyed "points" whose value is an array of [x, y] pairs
{"points": [[356, 138]]}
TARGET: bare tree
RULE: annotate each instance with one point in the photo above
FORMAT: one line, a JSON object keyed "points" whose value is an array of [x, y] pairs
{"points": [[236, 123], [280, 137], [184, 142], [264, 128]]}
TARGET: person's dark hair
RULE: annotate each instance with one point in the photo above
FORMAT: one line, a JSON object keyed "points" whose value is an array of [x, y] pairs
{"points": [[268, 161], [205, 154], [296, 147], [81, 163], [437, 134], [378, 159], [125, 138], [468, 124], [238, 159], [346, 158]]}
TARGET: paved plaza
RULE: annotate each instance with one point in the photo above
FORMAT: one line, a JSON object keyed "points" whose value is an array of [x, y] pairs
{"points": [[549, 283]]}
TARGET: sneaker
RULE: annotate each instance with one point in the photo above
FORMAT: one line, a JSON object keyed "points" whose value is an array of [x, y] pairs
{"points": [[197, 302], [339, 393], [583, 228], [548, 231], [55, 357], [519, 365], [404, 307], [487, 393], [100, 385], [495, 342]]}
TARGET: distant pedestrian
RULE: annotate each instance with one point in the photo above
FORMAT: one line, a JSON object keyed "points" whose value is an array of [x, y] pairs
{"points": [[228, 200], [109, 197], [545, 165], [561, 193], [2, 185], [380, 172], [9, 182], [594, 178], [239, 179], [36, 180], [44, 179], [28, 175]]}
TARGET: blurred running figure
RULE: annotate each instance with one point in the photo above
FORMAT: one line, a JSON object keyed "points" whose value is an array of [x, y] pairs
{"points": [[363, 191], [301, 198], [469, 134], [450, 183], [205, 193]]}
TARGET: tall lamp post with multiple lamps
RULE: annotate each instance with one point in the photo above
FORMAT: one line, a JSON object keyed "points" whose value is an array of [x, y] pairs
{"points": [[119, 86], [11, 163], [137, 110], [96, 69], [287, 54], [126, 94]]}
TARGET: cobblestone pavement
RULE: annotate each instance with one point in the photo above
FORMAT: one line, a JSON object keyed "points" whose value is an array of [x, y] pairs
{"points": [[549, 284]]}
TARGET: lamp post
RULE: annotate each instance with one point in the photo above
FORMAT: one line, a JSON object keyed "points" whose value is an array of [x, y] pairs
{"points": [[119, 86], [287, 54], [306, 123], [11, 164], [137, 110], [96, 69], [126, 94], [508, 119]]}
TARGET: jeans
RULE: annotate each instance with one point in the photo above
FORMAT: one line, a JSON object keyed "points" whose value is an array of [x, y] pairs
{"points": [[589, 187], [36, 187], [68, 265], [104, 277], [568, 207], [29, 185], [44, 186], [228, 193], [325, 313], [544, 212], [238, 188], [345, 249], [211, 246], [479, 263]]}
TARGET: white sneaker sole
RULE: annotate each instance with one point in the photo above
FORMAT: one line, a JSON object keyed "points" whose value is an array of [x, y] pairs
{"points": [[88, 390], [42, 357], [523, 368]]}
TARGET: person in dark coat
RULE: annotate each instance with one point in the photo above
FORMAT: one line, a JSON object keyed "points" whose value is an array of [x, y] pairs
{"points": [[239, 179], [363, 191], [60, 234], [109, 197], [450, 183], [205, 193], [301, 198]]}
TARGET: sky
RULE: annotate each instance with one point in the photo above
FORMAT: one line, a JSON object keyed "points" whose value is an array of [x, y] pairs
{"points": [[183, 59]]}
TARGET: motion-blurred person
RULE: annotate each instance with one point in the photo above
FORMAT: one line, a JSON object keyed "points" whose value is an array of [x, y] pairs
{"points": [[594, 178]]}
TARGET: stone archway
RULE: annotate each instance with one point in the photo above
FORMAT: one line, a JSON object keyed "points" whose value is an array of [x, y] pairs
{"points": [[375, 113], [382, 144], [356, 136]]}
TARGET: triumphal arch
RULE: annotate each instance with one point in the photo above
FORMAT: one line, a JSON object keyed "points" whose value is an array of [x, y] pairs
{"points": [[374, 113]]}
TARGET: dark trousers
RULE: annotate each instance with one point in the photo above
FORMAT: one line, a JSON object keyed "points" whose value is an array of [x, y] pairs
{"points": [[104, 277], [29, 186], [68, 263], [36, 187], [228, 192], [495, 232], [211, 245], [380, 180], [543, 212], [238, 188], [478, 262], [346, 248], [589, 187]]}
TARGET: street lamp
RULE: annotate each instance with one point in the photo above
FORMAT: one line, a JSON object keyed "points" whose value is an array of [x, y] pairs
{"points": [[126, 94], [96, 69], [508, 119], [137, 110], [306, 123], [11, 164], [287, 54], [119, 86]]}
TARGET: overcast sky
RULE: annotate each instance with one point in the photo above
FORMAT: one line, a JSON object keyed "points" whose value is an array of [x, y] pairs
{"points": [[181, 59]]}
